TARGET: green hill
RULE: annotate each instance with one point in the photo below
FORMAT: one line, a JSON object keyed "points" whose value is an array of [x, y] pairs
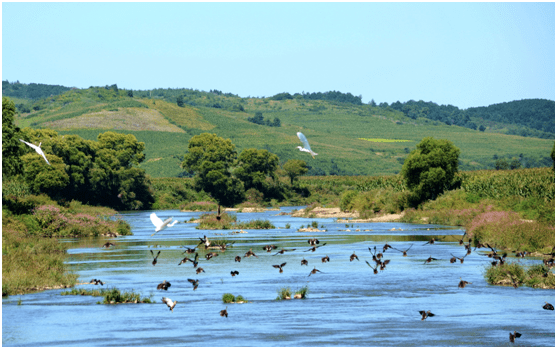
{"points": [[351, 138]]}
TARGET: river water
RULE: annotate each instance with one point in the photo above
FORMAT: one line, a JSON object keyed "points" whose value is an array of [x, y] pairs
{"points": [[347, 304]]}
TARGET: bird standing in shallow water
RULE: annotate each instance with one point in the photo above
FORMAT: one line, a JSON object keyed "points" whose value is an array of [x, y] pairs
{"points": [[155, 257], [426, 314], [514, 335], [169, 302]]}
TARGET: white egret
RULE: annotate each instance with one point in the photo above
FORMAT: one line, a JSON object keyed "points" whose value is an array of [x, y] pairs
{"points": [[37, 149], [159, 224], [306, 147]]}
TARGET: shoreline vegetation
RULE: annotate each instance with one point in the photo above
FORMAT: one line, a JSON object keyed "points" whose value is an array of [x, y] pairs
{"points": [[513, 210]]}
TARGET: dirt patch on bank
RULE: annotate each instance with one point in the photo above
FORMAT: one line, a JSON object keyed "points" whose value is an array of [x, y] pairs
{"points": [[322, 212]]}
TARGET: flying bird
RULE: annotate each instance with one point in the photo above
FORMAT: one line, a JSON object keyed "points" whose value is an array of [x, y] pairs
{"points": [[108, 244], [514, 335], [189, 250], [463, 283], [38, 149], [155, 257], [195, 283], [234, 272], [169, 302], [250, 253], [163, 285], [432, 241], [455, 258], [279, 267], [404, 251], [426, 314], [283, 250], [224, 312], [353, 256], [304, 262], [314, 271], [547, 306], [199, 270], [374, 269], [325, 259], [96, 282], [306, 147], [159, 223], [237, 259], [314, 247], [430, 259]]}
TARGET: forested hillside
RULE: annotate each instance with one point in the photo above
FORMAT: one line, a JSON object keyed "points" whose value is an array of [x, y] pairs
{"points": [[350, 137]]}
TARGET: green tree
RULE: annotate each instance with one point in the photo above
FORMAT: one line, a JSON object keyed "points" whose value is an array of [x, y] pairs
{"points": [[429, 169], [295, 169], [254, 166], [501, 164], [211, 157], [11, 146], [180, 101]]}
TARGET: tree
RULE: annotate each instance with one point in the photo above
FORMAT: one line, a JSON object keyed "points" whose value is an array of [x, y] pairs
{"points": [[501, 164], [180, 101], [254, 166], [430, 168], [295, 169], [210, 157], [11, 146]]}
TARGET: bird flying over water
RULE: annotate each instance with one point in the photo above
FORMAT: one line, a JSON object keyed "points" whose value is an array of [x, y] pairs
{"points": [[514, 335], [38, 149], [155, 257], [426, 314], [163, 285], [195, 283], [306, 147], [159, 223], [279, 267], [169, 302]]}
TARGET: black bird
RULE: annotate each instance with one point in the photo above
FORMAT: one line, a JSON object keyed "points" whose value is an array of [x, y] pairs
{"points": [[386, 247], [283, 250], [304, 262], [250, 253], [107, 245], [155, 257], [199, 270], [314, 247], [462, 239], [163, 285], [374, 269], [430, 259], [269, 248], [237, 259], [325, 259], [313, 242], [404, 251], [234, 272], [96, 282], [514, 335], [455, 258], [279, 266], [224, 312], [314, 271], [426, 314], [195, 283], [432, 241], [463, 283], [189, 250], [353, 256], [548, 306]]}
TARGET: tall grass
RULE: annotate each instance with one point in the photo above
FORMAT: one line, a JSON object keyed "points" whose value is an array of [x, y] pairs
{"points": [[513, 273]]}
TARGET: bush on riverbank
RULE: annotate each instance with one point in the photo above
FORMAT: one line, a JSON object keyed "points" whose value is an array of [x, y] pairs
{"points": [[515, 274], [209, 221], [110, 296], [230, 298]]}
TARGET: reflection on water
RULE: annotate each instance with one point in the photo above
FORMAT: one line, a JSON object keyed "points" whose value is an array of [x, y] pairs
{"points": [[347, 304]]}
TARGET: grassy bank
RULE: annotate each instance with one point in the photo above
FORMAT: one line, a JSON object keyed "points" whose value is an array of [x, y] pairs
{"points": [[32, 257], [110, 296], [515, 274]]}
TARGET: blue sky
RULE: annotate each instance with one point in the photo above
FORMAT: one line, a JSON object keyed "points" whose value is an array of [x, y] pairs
{"points": [[463, 54]]}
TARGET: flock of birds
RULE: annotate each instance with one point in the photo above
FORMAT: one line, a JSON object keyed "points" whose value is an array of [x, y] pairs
{"points": [[378, 257]]}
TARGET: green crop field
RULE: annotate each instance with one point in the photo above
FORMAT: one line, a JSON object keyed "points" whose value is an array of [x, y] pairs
{"points": [[350, 139]]}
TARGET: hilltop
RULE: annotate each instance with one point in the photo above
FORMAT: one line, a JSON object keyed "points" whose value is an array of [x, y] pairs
{"points": [[351, 138]]}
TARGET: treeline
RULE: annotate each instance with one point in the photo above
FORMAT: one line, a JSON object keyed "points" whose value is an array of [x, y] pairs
{"points": [[331, 96], [32, 90], [527, 118], [538, 114]]}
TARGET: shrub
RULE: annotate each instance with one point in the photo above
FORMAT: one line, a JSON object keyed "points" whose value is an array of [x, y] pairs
{"points": [[284, 293], [303, 291], [510, 273], [228, 298]]}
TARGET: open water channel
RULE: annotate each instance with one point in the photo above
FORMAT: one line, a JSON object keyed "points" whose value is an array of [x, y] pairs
{"points": [[347, 304]]}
